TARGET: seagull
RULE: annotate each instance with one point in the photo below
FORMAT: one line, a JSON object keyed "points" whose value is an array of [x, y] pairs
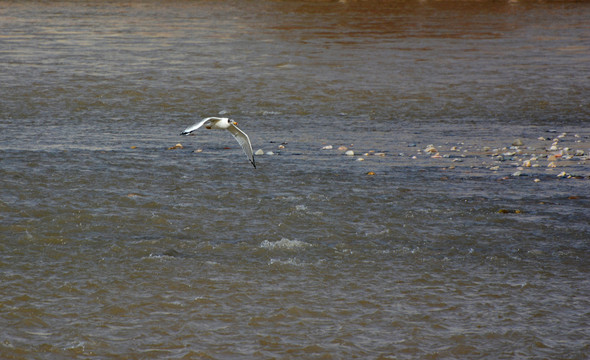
{"points": [[230, 125]]}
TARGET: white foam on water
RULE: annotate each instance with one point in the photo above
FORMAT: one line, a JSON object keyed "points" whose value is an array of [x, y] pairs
{"points": [[288, 262], [284, 244]]}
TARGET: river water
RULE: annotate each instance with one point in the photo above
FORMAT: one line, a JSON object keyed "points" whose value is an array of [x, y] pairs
{"points": [[458, 229]]}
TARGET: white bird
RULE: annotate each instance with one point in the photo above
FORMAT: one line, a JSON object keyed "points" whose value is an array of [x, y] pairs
{"points": [[230, 125]]}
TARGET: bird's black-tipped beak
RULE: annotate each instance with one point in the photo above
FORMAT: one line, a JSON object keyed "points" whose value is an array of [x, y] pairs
{"points": [[184, 133]]}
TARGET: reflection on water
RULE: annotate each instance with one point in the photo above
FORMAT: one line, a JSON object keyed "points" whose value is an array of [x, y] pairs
{"points": [[458, 228]]}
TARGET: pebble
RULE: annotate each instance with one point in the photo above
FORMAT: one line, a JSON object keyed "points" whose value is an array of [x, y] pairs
{"points": [[508, 211], [177, 146], [281, 147], [517, 142], [342, 148], [327, 147], [360, 159], [579, 153], [552, 165], [135, 147], [349, 153], [371, 173], [270, 153], [199, 151], [526, 163], [537, 180], [430, 148], [436, 156], [563, 174], [259, 152]]}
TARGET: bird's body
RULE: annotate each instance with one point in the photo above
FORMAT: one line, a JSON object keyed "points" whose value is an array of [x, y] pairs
{"points": [[227, 124]]}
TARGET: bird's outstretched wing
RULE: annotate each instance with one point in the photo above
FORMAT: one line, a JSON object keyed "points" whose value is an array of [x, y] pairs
{"points": [[244, 141], [194, 127]]}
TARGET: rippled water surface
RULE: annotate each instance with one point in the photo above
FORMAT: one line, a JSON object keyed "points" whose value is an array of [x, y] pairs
{"points": [[459, 228]]}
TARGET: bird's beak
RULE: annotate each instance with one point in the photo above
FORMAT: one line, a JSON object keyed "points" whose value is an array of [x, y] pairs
{"points": [[235, 123]]}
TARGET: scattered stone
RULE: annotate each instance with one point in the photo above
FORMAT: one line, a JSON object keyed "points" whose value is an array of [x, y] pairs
{"points": [[259, 152], [199, 151], [342, 148], [177, 146], [517, 173], [371, 173], [436, 156], [552, 165], [563, 174], [135, 147], [270, 153], [327, 147], [349, 153], [509, 211], [517, 142], [281, 146], [360, 159], [430, 148], [537, 180], [579, 153], [526, 163]]}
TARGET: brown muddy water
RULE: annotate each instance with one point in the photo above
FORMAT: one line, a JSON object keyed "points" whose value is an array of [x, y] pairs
{"points": [[459, 227]]}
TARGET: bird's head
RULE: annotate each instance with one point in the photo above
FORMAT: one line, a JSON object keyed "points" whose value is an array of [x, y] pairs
{"points": [[232, 122]]}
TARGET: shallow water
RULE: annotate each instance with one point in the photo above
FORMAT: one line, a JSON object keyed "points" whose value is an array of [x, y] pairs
{"points": [[115, 246]]}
